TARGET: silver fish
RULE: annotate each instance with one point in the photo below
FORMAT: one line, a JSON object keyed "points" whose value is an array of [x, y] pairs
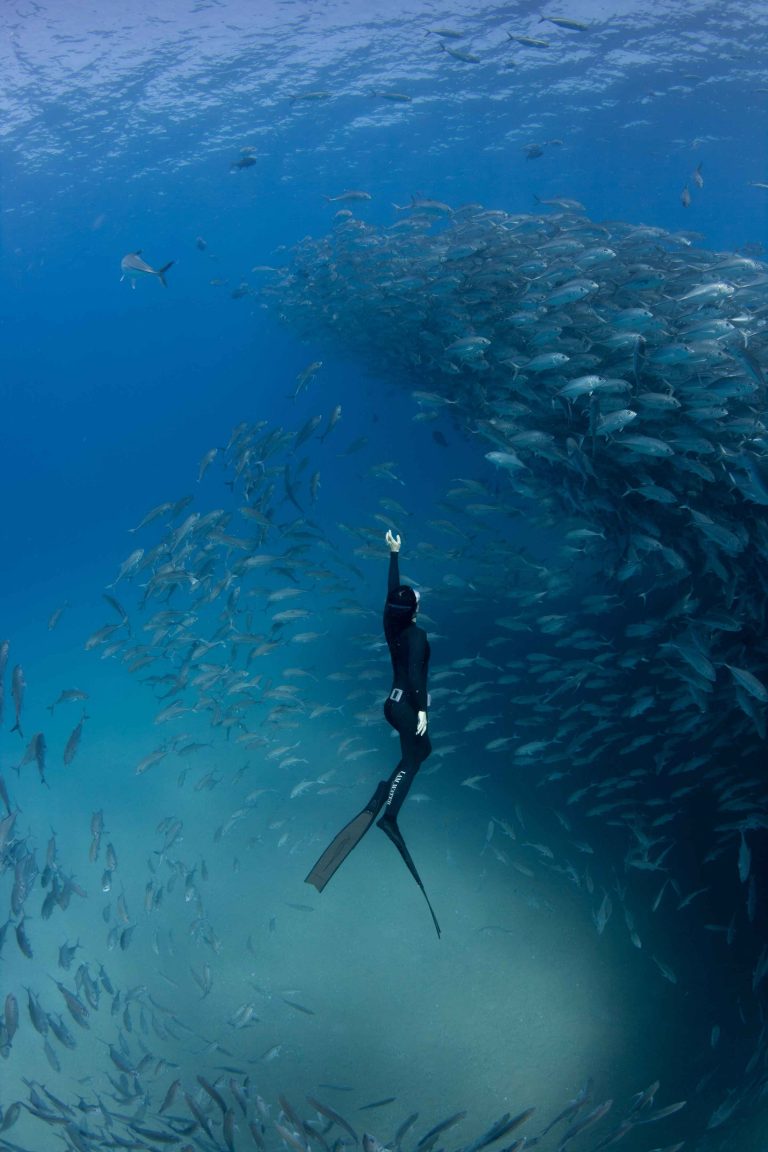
{"points": [[18, 684], [132, 267]]}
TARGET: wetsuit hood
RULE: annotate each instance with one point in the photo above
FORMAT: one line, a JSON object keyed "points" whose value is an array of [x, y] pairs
{"points": [[401, 605], [403, 599]]}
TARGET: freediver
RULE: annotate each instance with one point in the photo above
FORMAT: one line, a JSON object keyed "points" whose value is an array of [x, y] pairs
{"points": [[406, 711]]}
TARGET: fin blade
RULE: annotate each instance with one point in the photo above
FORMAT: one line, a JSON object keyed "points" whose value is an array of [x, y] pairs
{"points": [[338, 850], [390, 828]]}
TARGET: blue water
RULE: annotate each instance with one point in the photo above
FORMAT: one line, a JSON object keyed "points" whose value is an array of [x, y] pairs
{"points": [[122, 128]]}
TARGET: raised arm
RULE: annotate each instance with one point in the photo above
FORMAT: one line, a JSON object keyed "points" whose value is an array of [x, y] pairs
{"points": [[393, 578]]}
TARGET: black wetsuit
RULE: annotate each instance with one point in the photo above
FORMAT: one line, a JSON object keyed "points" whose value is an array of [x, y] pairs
{"points": [[409, 650]]}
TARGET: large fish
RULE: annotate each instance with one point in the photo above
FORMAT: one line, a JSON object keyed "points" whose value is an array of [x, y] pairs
{"points": [[132, 267], [73, 743], [18, 685], [4, 649]]}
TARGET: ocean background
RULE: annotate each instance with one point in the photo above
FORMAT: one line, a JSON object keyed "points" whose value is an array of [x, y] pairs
{"points": [[123, 128]]}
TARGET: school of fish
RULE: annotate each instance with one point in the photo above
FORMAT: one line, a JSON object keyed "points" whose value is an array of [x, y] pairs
{"points": [[612, 378], [200, 656]]}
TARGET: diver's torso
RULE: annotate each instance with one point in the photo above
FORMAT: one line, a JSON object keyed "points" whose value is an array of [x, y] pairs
{"points": [[410, 652]]}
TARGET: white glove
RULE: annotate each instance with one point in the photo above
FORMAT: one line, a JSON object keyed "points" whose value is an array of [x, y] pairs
{"points": [[421, 727], [393, 541]]}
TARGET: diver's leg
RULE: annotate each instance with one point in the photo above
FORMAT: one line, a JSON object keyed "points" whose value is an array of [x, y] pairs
{"points": [[415, 750], [398, 787]]}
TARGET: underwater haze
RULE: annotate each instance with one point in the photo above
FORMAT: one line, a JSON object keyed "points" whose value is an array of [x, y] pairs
{"points": [[277, 278]]}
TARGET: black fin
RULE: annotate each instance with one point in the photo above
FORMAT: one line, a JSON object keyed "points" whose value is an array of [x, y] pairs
{"points": [[349, 837], [391, 829]]}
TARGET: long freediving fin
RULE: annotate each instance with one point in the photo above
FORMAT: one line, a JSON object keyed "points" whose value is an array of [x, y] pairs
{"points": [[392, 830], [347, 839]]}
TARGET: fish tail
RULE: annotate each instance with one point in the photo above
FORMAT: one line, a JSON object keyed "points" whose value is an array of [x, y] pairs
{"points": [[162, 271], [17, 728]]}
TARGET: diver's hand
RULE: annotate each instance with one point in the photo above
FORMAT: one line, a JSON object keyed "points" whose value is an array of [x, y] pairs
{"points": [[393, 541], [421, 727]]}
